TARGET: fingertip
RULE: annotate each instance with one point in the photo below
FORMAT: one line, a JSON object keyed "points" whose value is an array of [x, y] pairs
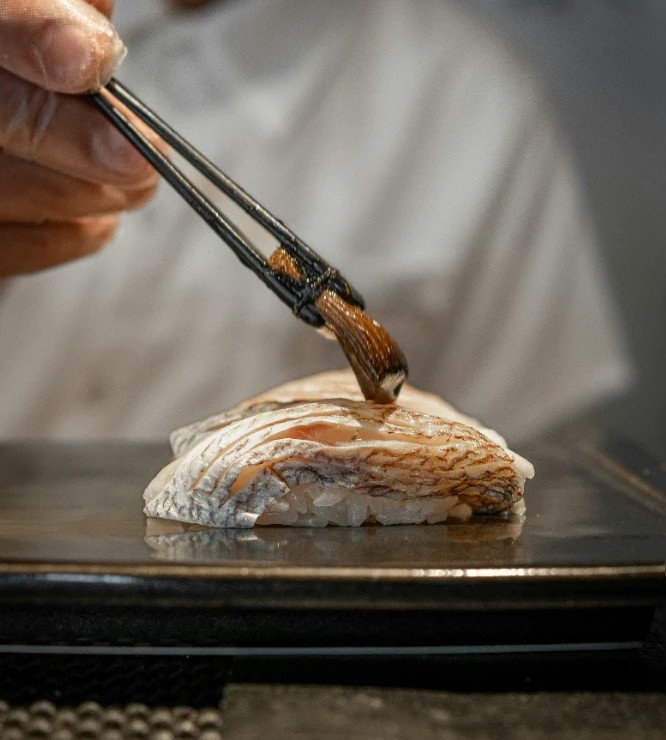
{"points": [[118, 157], [121, 160], [67, 46], [83, 237], [99, 229], [138, 197], [78, 61], [114, 58], [29, 248]]}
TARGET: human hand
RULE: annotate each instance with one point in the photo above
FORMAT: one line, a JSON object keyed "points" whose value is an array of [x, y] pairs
{"points": [[65, 172]]}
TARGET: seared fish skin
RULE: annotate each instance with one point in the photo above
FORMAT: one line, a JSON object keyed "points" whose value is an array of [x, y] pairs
{"points": [[285, 458], [330, 384]]}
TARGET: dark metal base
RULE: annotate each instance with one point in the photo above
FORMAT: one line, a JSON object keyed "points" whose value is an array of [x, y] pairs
{"points": [[259, 629]]}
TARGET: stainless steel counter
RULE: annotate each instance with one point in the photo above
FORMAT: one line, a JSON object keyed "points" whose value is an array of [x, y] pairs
{"points": [[73, 537], [535, 627]]}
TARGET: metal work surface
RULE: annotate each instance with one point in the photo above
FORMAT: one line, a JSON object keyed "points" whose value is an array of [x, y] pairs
{"points": [[76, 551], [80, 506], [113, 626], [44, 719]]}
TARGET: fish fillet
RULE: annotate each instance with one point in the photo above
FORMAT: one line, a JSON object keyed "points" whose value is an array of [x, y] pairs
{"points": [[312, 452]]}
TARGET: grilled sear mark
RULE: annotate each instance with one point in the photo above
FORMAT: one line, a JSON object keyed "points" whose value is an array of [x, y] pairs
{"points": [[378, 363]]}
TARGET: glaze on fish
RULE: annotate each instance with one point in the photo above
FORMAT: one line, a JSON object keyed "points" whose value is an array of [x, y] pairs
{"points": [[304, 454]]}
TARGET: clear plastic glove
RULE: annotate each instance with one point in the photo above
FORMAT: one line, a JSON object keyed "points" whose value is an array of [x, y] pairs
{"points": [[65, 172]]}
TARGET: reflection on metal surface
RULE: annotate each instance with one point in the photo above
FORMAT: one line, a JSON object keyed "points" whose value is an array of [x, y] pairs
{"points": [[190, 543], [653, 495]]}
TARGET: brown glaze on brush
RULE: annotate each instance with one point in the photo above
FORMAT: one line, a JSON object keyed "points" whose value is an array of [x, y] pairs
{"points": [[377, 361]]}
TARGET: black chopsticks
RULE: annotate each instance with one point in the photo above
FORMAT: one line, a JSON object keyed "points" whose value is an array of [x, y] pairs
{"points": [[298, 294]]}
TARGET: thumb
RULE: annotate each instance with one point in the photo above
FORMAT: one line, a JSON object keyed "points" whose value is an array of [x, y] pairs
{"points": [[63, 45]]}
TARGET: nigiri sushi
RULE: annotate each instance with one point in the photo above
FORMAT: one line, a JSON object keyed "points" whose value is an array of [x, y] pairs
{"points": [[313, 452]]}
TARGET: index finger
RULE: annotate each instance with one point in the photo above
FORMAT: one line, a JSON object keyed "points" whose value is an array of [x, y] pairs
{"points": [[66, 46]]}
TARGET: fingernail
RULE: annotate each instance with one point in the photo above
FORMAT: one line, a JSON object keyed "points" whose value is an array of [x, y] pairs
{"points": [[115, 58]]}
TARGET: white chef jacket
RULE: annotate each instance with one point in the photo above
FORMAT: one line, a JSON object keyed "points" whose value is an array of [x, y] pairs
{"points": [[408, 147]]}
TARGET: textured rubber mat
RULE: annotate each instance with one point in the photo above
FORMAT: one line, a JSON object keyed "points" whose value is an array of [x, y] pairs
{"points": [[43, 719], [113, 680]]}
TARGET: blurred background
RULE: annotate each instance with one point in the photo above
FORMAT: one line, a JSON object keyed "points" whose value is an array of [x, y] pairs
{"points": [[603, 63], [312, 105]]}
